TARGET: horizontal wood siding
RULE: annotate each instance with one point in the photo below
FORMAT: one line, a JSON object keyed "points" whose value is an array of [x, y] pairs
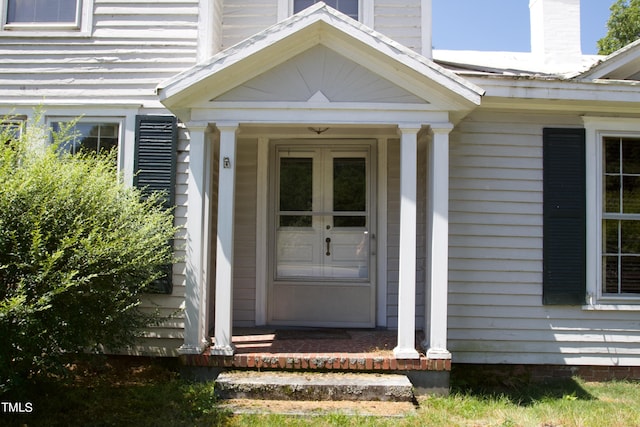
{"points": [[242, 19], [393, 231], [496, 313], [401, 21], [166, 338], [134, 46], [244, 273]]}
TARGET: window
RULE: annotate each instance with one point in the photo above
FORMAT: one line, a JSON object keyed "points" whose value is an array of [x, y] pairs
{"points": [[90, 136], [46, 17], [613, 213], [348, 7], [12, 127], [32, 11], [621, 216]]}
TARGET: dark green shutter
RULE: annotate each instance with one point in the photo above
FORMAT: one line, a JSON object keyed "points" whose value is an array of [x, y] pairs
{"points": [[564, 217], [155, 169]]}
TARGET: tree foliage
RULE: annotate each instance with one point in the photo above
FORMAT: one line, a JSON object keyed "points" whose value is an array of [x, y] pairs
{"points": [[623, 26], [77, 248]]}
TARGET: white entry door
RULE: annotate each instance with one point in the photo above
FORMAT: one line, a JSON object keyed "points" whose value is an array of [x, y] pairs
{"points": [[323, 271]]}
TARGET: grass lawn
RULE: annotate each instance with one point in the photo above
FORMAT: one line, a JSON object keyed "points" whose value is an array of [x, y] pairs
{"points": [[103, 393]]}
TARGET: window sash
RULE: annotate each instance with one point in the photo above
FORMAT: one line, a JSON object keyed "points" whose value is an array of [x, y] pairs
{"points": [[77, 21], [42, 11], [620, 210], [92, 135]]}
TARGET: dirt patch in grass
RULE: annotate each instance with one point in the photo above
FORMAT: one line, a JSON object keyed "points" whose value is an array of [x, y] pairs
{"points": [[122, 370], [291, 407]]}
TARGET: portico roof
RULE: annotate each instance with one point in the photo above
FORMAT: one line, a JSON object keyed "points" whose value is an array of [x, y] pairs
{"points": [[359, 60], [623, 64]]}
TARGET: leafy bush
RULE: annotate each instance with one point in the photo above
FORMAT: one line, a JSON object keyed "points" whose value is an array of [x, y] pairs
{"points": [[77, 248]]}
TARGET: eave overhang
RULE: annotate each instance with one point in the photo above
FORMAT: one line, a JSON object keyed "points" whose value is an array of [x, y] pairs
{"points": [[623, 64], [559, 95]]}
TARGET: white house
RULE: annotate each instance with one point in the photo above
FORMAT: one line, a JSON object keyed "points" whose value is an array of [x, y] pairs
{"points": [[331, 170]]}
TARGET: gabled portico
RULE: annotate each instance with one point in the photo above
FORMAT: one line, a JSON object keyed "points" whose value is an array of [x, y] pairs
{"points": [[317, 70]]}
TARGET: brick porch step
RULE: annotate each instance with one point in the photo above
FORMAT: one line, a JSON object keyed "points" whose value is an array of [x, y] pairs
{"points": [[314, 386]]}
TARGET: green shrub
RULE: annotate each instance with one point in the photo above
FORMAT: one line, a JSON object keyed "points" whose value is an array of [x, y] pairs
{"points": [[77, 248]]}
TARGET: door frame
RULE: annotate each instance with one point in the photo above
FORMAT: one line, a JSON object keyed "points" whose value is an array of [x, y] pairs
{"points": [[346, 144]]}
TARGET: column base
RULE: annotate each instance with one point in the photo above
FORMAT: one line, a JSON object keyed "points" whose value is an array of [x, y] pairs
{"points": [[223, 350], [192, 349], [438, 353], [405, 353]]}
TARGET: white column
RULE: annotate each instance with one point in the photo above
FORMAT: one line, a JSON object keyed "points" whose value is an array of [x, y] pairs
{"points": [[406, 348], [195, 333], [224, 251], [438, 273]]}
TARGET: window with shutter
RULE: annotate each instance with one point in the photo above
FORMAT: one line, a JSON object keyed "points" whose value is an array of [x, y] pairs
{"points": [[564, 216], [155, 169]]}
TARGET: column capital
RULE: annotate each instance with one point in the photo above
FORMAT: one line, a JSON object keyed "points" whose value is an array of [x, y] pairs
{"points": [[227, 126], [198, 126], [409, 128], [441, 128]]}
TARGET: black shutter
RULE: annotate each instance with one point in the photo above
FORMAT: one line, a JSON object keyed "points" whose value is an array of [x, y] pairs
{"points": [[155, 156], [564, 217], [155, 170]]}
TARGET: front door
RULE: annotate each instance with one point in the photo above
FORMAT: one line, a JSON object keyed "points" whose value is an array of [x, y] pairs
{"points": [[323, 272]]}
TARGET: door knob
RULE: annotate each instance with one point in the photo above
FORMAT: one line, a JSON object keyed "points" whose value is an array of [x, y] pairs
{"points": [[328, 240]]}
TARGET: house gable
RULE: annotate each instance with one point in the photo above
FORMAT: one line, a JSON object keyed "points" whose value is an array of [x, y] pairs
{"points": [[320, 75], [359, 65]]}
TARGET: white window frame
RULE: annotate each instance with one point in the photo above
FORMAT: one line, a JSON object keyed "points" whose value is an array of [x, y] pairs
{"points": [[81, 28], [598, 128], [14, 120], [365, 11], [121, 121]]}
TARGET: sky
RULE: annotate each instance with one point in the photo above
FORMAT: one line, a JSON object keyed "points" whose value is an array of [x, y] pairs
{"points": [[503, 25]]}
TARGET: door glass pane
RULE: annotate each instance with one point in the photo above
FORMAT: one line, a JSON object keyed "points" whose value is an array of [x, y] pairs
{"points": [[296, 191], [349, 191]]}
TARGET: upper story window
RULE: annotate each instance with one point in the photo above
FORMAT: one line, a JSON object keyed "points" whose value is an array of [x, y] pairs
{"points": [[43, 17], [348, 7], [89, 136], [38, 11]]}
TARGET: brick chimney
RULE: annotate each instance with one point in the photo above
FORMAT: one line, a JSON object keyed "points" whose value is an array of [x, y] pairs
{"points": [[555, 29]]}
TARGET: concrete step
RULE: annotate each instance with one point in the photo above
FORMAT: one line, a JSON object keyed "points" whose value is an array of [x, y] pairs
{"points": [[314, 386]]}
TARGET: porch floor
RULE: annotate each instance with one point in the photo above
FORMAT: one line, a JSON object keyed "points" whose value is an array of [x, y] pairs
{"points": [[312, 349]]}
